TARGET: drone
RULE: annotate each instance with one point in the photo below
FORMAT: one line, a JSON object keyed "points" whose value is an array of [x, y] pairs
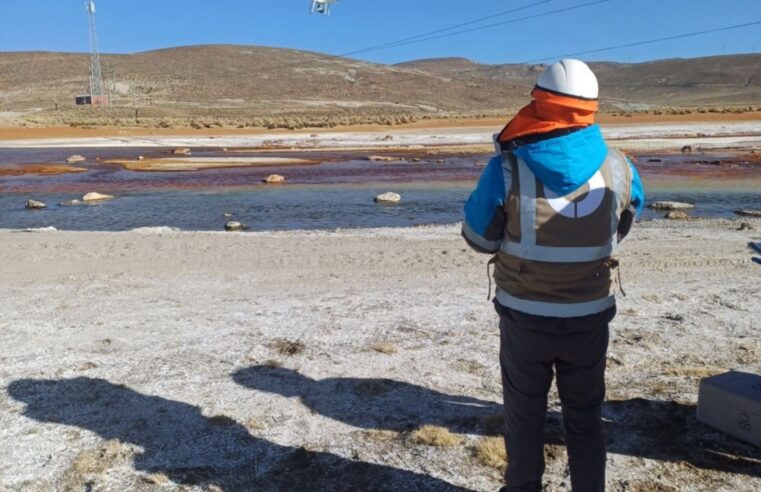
{"points": [[322, 6]]}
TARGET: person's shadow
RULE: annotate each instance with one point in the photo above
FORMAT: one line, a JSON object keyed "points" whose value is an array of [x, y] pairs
{"points": [[375, 403], [660, 430], [192, 449]]}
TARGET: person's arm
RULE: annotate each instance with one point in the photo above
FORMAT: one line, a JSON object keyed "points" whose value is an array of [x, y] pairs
{"points": [[638, 191], [636, 204], [484, 222]]}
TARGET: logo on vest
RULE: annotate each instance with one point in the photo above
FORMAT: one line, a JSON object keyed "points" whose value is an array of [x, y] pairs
{"points": [[583, 207]]}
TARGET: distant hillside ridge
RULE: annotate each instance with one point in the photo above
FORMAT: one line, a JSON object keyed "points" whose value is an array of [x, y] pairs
{"points": [[201, 85]]}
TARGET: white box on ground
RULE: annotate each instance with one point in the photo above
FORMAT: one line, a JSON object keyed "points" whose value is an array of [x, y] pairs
{"points": [[731, 403]]}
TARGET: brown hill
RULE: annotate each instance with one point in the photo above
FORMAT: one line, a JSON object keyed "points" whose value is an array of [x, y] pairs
{"points": [[263, 86], [717, 80]]}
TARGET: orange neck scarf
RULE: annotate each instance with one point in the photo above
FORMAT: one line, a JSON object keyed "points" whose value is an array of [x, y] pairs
{"points": [[548, 112]]}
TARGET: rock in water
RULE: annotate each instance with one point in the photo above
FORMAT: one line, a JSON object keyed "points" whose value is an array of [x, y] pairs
{"points": [[749, 213], [154, 230], [235, 226], [96, 197], [676, 215], [672, 206], [381, 158], [34, 205], [388, 197], [70, 203], [75, 158], [181, 151], [274, 179]]}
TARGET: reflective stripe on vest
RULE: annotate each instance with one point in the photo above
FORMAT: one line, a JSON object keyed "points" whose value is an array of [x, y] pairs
{"points": [[618, 180], [554, 309]]}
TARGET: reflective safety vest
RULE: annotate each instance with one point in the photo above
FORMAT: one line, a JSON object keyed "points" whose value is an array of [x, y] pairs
{"points": [[555, 257]]}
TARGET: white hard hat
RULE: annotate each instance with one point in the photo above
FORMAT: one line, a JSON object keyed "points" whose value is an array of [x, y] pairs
{"points": [[570, 78]]}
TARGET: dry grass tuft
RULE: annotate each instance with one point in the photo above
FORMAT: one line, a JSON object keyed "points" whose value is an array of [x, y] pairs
{"points": [[431, 435], [471, 366], [156, 479], [381, 435], [255, 425], [490, 451], [384, 348], [288, 347], [694, 372], [99, 459], [645, 485]]}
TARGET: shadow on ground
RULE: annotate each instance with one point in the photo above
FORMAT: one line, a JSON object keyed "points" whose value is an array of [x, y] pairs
{"points": [[374, 403], [659, 430], [191, 449]]}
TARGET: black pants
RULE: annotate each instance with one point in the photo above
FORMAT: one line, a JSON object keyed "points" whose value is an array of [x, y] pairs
{"points": [[531, 347]]}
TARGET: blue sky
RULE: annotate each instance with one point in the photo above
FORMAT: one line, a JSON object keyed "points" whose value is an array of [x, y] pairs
{"points": [[126, 26]]}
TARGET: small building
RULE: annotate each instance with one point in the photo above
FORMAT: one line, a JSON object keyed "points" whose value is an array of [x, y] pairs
{"points": [[90, 100]]}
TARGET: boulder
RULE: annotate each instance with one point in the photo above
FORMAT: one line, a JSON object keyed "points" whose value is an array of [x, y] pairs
{"points": [[676, 215], [75, 158], [95, 197], [274, 179], [749, 213], [744, 226], [34, 205], [140, 158], [235, 226], [686, 149], [181, 151], [388, 197], [672, 206], [381, 158]]}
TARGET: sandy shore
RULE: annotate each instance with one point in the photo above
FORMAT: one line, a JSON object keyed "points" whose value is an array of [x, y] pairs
{"points": [[304, 360]]}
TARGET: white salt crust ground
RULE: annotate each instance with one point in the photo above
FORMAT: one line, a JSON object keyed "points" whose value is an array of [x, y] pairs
{"points": [[161, 360], [639, 137]]}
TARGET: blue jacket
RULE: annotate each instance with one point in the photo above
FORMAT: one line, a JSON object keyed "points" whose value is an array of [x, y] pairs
{"points": [[562, 163]]}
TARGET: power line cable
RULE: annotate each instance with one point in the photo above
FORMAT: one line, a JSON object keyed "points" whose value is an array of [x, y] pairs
{"points": [[649, 41], [445, 29], [425, 37], [474, 29]]}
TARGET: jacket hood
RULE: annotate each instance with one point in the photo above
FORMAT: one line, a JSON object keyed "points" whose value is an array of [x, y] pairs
{"points": [[565, 163]]}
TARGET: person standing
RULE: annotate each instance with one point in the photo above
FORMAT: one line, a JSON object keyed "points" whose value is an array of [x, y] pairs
{"points": [[551, 207]]}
